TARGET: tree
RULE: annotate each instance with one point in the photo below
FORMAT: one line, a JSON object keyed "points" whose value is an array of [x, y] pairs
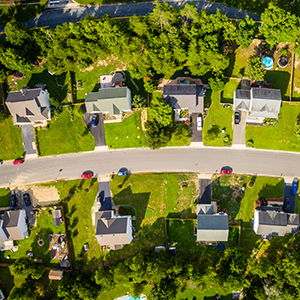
{"points": [[138, 101], [104, 277], [254, 69], [161, 112], [156, 135], [216, 82], [24, 267], [245, 33], [279, 26]]}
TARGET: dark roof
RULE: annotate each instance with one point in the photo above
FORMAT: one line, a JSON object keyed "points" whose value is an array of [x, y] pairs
{"points": [[271, 94], [56, 214], [23, 94], [242, 94], [212, 222], [184, 96], [11, 218], [277, 218], [111, 226]]}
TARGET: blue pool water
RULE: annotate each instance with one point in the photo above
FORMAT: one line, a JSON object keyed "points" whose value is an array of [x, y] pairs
{"points": [[131, 298]]}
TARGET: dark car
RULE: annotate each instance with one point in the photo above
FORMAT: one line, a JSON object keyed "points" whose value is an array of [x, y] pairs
{"points": [[237, 117], [226, 171], [287, 203], [26, 199], [13, 200], [94, 120]]}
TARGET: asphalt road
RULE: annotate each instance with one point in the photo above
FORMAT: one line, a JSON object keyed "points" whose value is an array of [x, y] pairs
{"points": [[53, 17], [204, 160]]}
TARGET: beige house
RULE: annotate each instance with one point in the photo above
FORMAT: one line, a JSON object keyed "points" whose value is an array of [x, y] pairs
{"points": [[113, 231], [29, 106]]}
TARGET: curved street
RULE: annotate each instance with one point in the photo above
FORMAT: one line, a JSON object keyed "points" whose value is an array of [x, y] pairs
{"points": [[204, 160], [57, 16]]}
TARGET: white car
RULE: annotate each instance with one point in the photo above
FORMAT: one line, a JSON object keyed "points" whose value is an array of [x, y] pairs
{"points": [[199, 123]]}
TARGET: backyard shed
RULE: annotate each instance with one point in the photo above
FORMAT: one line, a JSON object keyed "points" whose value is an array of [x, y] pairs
{"points": [[56, 275], [56, 214]]}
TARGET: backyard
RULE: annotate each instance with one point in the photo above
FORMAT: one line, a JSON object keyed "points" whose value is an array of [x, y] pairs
{"points": [[217, 120], [67, 134], [239, 204], [282, 135], [231, 85], [44, 226], [163, 193], [10, 141]]}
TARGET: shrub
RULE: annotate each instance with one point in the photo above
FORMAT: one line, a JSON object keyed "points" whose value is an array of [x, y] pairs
{"points": [[217, 83], [139, 101], [250, 143], [297, 127], [283, 52]]}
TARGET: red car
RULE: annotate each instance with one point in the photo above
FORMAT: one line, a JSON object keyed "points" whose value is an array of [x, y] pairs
{"points": [[226, 171], [18, 161], [86, 175]]}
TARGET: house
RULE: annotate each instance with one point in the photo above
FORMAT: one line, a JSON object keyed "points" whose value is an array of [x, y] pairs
{"points": [[13, 226], [211, 227], [113, 231], [275, 223], [57, 219], [112, 101], [183, 97], [29, 106], [260, 103], [112, 80]]}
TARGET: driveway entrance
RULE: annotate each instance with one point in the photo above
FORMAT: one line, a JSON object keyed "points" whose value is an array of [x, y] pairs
{"points": [[98, 130], [196, 135], [239, 135], [28, 140]]}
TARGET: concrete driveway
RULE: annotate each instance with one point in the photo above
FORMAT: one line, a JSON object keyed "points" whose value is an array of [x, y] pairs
{"points": [[104, 191], [28, 140], [98, 130], [239, 130], [196, 135]]}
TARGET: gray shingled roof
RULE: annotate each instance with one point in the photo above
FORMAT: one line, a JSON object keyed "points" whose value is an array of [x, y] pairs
{"points": [[112, 100], [111, 230], [10, 225], [205, 209], [189, 96], [56, 214], [276, 223]]}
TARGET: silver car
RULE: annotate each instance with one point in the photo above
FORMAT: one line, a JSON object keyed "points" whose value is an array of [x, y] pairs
{"points": [[199, 123]]}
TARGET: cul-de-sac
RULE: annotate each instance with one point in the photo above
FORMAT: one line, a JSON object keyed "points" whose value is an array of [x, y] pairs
{"points": [[149, 150]]}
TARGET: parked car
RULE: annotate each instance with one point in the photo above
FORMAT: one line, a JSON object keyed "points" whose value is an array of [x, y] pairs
{"points": [[287, 203], [199, 123], [226, 171], [13, 200], [86, 175], [237, 117], [122, 173], [295, 187], [18, 161], [94, 120], [26, 199]]}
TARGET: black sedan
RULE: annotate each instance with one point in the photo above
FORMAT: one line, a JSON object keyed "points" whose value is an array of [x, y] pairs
{"points": [[26, 199], [237, 117], [13, 201]]}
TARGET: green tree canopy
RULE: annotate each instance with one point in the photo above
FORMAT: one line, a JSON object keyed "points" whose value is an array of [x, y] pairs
{"points": [[245, 33], [254, 69]]}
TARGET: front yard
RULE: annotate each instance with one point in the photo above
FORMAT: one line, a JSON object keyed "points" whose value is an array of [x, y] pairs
{"points": [[279, 137], [218, 118], [163, 193], [65, 135], [11, 146], [239, 204], [4, 197]]}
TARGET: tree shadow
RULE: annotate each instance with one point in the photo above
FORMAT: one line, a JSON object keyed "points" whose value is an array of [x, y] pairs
{"points": [[232, 59], [214, 131], [271, 191]]}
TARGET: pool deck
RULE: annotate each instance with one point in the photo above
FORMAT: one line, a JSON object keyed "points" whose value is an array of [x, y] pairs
{"points": [[126, 297]]}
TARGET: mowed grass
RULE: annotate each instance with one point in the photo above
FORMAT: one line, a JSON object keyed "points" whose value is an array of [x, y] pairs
{"points": [[65, 136], [44, 226], [240, 204], [78, 197], [11, 146], [126, 134], [4, 197], [281, 136], [161, 192], [230, 87], [218, 118]]}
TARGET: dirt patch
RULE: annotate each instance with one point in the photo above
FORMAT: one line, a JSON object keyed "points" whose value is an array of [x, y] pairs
{"points": [[40, 195]]}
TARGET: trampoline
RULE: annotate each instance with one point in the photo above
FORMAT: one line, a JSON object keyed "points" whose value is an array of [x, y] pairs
{"points": [[268, 62]]}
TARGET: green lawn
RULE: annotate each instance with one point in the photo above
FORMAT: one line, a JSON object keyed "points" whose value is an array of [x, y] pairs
{"points": [[240, 204], [230, 87], [126, 134], [279, 137], [44, 227], [280, 79], [4, 197], [11, 146], [217, 119], [249, 239], [181, 136], [65, 135], [161, 192]]}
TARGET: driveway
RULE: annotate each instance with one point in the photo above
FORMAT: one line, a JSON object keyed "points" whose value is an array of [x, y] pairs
{"points": [[28, 140], [104, 191], [204, 191], [239, 135], [98, 130], [21, 205], [288, 193], [196, 135]]}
